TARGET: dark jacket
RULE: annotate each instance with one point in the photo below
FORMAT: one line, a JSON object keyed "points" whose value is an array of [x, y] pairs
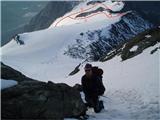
{"points": [[92, 86]]}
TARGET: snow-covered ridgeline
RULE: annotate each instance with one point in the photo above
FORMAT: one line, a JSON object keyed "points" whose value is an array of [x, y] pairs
{"points": [[70, 18], [45, 50]]}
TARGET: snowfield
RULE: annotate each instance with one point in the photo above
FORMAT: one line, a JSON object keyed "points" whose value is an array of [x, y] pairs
{"points": [[132, 86], [70, 18], [45, 49]]}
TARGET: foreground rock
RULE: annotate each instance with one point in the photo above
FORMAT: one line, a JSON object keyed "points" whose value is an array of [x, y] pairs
{"points": [[9, 73], [32, 99], [38, 100]]}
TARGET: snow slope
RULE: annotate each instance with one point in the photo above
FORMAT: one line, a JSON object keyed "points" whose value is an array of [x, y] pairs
{"points": [[45, 49], [70, 18], [132, 88]]}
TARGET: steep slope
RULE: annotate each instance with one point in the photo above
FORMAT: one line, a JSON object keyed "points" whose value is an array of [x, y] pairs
{"points": [[103, 40], [132, 87], [136, 45], [46, 49], [93, 44], [52, 11], [146, 9], [131, 78], [53, 49], [41, 20]]}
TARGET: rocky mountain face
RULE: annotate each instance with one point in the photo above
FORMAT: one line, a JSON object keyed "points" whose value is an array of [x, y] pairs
{"points": [[148, 10], [132, 47], [104, 40], [141, 41], [144, 15], [32, 99], [51, 12], [10, 73], [44, 18]]}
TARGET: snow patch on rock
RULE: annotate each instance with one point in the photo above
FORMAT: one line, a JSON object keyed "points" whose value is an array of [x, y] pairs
{"points": [[148, 36], [134, 48]]}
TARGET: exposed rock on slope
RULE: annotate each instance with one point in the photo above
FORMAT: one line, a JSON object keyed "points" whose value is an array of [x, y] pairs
{"points": [[104, 40], [148, 10], [142, 41], [43, 19], [51, 12], [9, 73], [31, 99]]}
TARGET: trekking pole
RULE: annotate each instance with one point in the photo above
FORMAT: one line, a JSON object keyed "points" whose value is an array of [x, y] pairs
{"points": [[106, 97]]}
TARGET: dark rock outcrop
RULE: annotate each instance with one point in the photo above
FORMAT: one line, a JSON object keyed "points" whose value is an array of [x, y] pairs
{"points": [[142, 41], [9, 73], [100, 9], [106, 39], [155, 50], [32, 99], [95, 2], [39, 100], [76, 70], [52, 11], [148, 10], [78, 87]]}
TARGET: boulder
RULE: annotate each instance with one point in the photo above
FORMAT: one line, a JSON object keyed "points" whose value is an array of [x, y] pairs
{"points": [[78, 87], [9, 73], [40, 100], [32, 99]]}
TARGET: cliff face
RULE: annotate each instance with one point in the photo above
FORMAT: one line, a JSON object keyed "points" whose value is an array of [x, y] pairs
{"points": [[107, 40], [43, 19], [51, 12], [146, 9]]}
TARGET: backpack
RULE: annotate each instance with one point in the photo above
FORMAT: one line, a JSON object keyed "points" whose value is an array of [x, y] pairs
{"points": [[99, 72]]}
